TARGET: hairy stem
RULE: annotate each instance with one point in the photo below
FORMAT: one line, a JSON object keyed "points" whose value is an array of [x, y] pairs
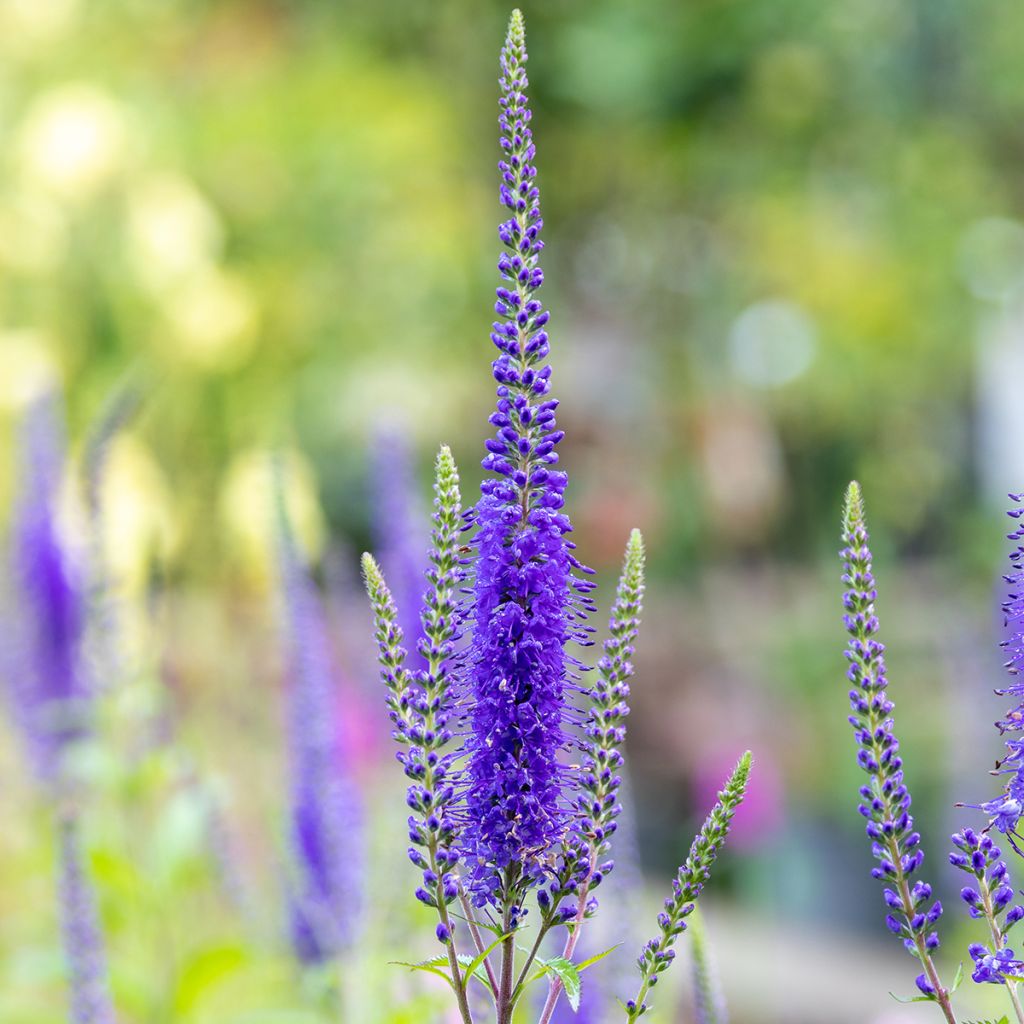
{"points": [[555, 986]]}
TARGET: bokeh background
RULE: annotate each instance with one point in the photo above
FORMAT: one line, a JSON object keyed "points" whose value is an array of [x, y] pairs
{"points": [[785, 248]]}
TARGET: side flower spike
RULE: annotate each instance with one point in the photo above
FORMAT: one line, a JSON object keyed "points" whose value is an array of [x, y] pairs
{"points": [[658, 954], [885, 800], [421, 704], [989, 896]]}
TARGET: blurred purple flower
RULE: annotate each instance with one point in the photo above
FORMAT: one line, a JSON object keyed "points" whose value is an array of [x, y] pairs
{"points": [[325, 830], [525, 611], [49, 685], [83, 938]]}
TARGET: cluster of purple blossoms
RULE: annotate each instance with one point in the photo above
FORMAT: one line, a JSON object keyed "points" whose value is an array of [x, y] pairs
{"points": [[325, 833], [528, 602], [489, 726], [885, 800], [990, 897]]}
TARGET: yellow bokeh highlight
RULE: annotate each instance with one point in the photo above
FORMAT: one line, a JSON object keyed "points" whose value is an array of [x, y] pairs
{"points": [[247, 509], [214, 320], [73, 139], [173, 232]]}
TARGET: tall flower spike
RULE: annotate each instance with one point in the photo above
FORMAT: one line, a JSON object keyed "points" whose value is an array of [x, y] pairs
{"points": [[83, 939], [50, 685], [399, 536], [885, 798], [524, 606], [324, 884], [658, 954]]}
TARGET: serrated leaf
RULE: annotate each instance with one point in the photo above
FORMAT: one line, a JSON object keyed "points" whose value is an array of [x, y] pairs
{"points": [[567, 972], [1002, 1020], [431, 965]]}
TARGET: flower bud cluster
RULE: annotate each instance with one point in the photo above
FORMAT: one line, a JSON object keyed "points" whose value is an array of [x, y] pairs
{"points": [[990, 896], [421, 704], [885, 800], [658, 954]]}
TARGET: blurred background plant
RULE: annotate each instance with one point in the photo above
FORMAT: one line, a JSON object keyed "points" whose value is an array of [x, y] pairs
{"points": [[785, 248]]}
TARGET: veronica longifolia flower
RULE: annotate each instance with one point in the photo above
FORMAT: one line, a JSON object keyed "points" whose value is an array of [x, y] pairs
{"points": [[422, 703], [885, 799], [324, 890], [526, 601], [49, 683]]}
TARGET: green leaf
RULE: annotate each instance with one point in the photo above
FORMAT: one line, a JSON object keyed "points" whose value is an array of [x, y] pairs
{"points": [[432, 966], [1002, 1020], [568, 974], [594, 959], [475, 964], [959, 978], [912, 999]]}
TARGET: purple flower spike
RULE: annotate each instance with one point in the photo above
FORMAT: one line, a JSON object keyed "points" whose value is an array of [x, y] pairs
{"points": [[50, 688], [1004, 811], [83, 939], [325, 832], [421, 704], [885, 800], [528, 604]]}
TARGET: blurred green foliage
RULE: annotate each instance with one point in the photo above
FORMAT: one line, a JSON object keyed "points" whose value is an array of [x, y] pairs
{"points": [[284, 214]]}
